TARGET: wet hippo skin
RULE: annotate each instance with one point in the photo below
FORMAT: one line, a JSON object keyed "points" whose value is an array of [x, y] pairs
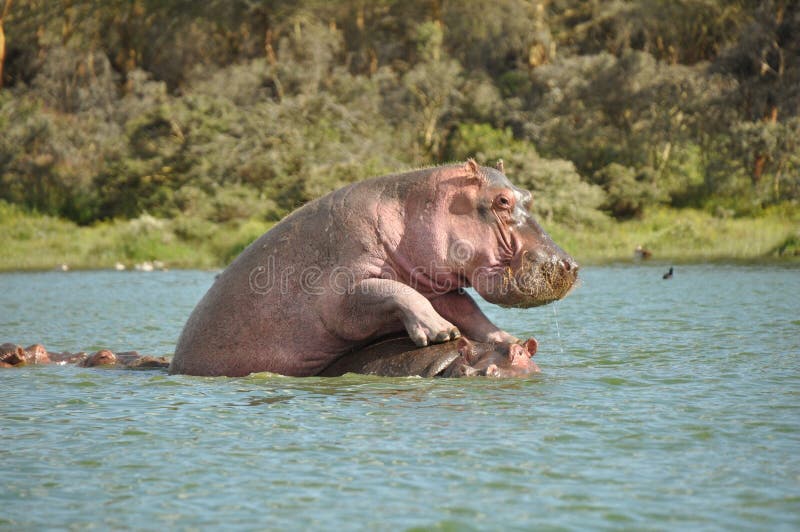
{"points": [[399, 357]]}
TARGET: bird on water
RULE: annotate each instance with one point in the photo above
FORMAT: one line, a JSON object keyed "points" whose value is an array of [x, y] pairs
{"points": [[668, 275]]}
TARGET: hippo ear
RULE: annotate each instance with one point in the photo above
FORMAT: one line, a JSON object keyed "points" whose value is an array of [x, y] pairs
{"points": [[531, 345], [473, 170], [500, 167], [466, 349]]}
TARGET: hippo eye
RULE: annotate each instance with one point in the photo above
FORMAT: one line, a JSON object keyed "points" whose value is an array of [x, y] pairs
{"points": [[503, 201]]}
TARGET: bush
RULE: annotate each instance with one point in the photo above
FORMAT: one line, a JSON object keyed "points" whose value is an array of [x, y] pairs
{"points": [[628, 192]]}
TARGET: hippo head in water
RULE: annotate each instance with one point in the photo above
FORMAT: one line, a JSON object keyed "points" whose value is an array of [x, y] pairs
{"points": [[104, 357], [488, 239], [500, 360]]}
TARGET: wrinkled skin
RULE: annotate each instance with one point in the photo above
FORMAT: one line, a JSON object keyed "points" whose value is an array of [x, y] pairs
{"points": [[399, 357], [383, 256]]}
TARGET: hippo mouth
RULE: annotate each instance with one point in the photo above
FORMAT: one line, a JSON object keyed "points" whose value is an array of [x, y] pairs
{"points": [[537, 281]]}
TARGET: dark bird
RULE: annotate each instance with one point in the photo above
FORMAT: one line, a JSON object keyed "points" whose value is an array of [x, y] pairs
{"points": [[668, 275]]}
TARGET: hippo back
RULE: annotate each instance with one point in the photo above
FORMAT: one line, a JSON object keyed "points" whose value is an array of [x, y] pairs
{"points": [[395, 357]]}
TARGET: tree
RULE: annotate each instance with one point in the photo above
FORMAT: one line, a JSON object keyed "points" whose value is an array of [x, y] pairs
{"points": [[3, 15]]}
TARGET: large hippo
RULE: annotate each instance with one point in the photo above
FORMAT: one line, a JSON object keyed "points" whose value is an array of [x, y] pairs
{"points": [[399, 357], [381, 256]]}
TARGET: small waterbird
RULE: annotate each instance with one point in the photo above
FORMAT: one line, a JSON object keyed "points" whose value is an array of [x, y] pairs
{"points": [[668, 275]]}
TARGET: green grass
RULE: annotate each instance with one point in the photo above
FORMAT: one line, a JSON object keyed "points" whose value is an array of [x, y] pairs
{"points": [[34, 242], [685, 235]]}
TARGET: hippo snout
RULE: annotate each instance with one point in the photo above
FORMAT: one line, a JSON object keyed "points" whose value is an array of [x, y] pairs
{"points": [[538, 278]]}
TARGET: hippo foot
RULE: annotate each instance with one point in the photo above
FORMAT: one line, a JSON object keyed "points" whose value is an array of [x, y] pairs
{"points": [[428, 327]]}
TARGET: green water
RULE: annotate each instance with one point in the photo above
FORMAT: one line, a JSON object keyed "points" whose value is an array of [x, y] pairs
{"points": [[663, 405]]}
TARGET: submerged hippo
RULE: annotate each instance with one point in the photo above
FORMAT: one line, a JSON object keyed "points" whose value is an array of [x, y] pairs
{"points": [[399, 357], [13, 355], [382, 256], [127, 359]]}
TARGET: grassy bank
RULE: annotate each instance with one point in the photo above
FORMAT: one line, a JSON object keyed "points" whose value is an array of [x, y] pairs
{"points": [[34, 242], [687, 235]]}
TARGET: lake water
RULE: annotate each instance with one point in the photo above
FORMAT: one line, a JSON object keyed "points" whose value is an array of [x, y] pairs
{"points": [[662, 405]]}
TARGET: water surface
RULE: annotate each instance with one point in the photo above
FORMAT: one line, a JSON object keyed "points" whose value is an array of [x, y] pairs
{"points": [[663, 405]]}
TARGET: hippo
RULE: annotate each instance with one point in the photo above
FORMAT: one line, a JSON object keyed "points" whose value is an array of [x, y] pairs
{"points": [[103, 357], [494, 360], [68, 358], [37, 354], [126, 359], [13, 355], [133, 360], [392, 254], [399, 357]]}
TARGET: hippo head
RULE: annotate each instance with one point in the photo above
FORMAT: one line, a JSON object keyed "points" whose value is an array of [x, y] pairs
{"points": [[500, 360], [497, 246], [104, 357]]}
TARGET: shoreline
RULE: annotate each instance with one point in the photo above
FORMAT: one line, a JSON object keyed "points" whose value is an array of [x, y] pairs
{"points": [[35, 243], [793, 261]]}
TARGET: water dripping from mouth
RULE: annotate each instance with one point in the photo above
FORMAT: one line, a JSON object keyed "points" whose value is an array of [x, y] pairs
{"points": [[558, 331]]}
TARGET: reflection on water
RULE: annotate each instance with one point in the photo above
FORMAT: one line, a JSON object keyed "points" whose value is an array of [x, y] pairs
{"points": [[663, 404]]}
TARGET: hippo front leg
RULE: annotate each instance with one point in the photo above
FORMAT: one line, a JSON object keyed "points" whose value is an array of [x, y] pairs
{"points": [[376, 305], [461, 309]]}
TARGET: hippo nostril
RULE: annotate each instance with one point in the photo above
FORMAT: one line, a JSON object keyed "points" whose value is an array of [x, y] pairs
{"points": [[569, 266]]}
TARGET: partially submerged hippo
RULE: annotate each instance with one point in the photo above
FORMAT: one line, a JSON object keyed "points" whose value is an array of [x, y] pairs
{"points": [[13, 355], [382, 256], [494, 360], [399, 357], [127, 359]]}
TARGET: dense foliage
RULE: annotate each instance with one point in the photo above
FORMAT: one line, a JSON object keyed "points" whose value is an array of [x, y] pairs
{"points": [[226, 110]]}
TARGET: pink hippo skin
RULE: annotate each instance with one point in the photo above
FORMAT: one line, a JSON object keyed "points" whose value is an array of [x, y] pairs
{"points": [[373, 258], [493, 360]]}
